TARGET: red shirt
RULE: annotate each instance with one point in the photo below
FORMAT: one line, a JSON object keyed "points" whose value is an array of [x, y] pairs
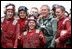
{"points": [[22, 23], [8, 33], [33, 40], [63, 26]]}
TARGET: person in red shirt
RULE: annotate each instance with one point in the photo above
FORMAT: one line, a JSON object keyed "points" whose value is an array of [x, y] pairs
{"points": [[22, 13], [32, 37], [63, 36], [9, 27]]}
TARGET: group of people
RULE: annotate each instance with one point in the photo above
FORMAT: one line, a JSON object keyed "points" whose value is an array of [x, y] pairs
{"points": [[44, 29]]}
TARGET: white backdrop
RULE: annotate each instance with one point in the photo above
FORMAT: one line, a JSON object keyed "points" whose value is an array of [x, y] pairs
{"points": [[29, 4]]}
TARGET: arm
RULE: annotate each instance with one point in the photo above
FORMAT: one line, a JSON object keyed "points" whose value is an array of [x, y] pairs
{"points": [[42, 39], [67, 35], [17, 34], [54, 27]]}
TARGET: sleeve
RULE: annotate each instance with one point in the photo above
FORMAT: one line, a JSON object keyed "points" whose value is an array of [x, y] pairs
{"points": [[4, 27], [67, 35], [42, 39], [21, 40], [54, 25], [17, 34]]}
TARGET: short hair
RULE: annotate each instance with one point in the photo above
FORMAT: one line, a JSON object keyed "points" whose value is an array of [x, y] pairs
{"points": [[61, 7], [34, 8], [47, 7], [54, 7]]}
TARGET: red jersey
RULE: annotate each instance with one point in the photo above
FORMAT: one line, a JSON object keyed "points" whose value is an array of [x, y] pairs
{"points": [[22, 23], [33, 39], [9, 28], [64, 24]]}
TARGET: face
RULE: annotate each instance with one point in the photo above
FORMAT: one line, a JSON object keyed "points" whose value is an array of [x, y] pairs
{"points": [[44, 11], [9, 13], [31, 24], [34, 12], [59, 13], [22, 14]]}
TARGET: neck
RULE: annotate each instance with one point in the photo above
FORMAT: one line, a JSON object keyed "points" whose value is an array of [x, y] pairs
{"points": [[62, 16], [46, 16], [10, 19], [30, 30], [22, 18]]}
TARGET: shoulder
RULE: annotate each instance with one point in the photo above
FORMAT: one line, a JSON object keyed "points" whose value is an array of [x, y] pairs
{"points": [[53, 20], [2, 19], [15, 22], [66, 19]]}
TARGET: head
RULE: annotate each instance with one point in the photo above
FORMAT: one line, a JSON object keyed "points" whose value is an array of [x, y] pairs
{"points": [[60, 11], [54, 8], [22, 12], [10, 10], [34, 11], [45, 10], [31, 22]]}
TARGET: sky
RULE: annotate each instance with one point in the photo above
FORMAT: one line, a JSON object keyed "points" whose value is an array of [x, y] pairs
{"points": [[30, 4]]}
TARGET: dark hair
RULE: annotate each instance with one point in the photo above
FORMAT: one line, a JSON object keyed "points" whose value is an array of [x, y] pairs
{"points": [[22, 8], [62, 8], [67, 13], [54, 9]]}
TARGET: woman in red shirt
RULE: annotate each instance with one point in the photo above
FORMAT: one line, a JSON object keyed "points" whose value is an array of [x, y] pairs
{"points": [[9, 27], [22, 13], [32, 38]]}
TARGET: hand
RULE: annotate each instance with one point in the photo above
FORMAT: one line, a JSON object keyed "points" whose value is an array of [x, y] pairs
{"points": [[63, 32], [40, 16], [19, 37], [41, 36], [57, 40], [15, 47]]}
